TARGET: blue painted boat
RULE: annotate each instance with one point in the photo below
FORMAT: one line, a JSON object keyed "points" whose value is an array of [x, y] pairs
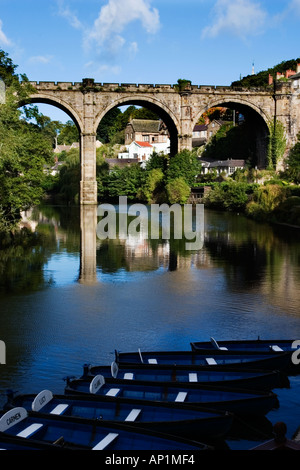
{"points": [[170, 418], [234, 400], [88, 434], [256, 346], [18, 443], [224, 376], [165, 374], [213, 358]]}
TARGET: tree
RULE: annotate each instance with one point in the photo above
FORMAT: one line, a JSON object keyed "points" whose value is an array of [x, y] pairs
{"points": [[277, 144], [68, 133], [186, 165], [178, 191], [23, 150], [293, 163]]}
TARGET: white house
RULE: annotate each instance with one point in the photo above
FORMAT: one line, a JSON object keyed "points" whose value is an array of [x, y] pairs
{"points": [[142, 151]]}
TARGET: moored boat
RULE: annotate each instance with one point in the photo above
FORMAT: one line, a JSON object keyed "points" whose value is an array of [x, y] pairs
{"points": [[197, 359], [165, 374], [170, 418], [256, 346], [88, 434], [234, 400]]}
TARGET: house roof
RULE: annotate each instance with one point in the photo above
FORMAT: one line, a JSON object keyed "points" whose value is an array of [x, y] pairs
{"points": [[227, 163], [292, 77], [142, 144], [200, 127], [145, 125]]}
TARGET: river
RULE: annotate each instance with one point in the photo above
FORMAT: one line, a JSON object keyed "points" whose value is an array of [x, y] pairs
{"points": [[69, 298]]}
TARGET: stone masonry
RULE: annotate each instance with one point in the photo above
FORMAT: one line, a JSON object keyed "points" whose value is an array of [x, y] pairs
{"points": [[88, 102]]}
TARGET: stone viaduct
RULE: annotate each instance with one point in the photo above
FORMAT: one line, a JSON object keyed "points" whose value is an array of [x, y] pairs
{"points": [[87, 103]]}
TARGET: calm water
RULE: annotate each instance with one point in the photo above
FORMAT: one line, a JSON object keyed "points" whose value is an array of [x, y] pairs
{"points": [[68, 298]]}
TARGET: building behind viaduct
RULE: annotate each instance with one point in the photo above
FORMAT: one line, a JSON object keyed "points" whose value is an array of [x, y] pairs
{"points": [[87, 103]]}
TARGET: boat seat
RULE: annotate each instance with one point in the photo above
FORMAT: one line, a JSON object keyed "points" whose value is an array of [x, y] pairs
{"points": [[193, 377], [113, 392], [106, 441], [211, 361], [276, 348], [181, 396], [128, 375], [59, 409], [30, 430], [152, 361], [133, 415]]}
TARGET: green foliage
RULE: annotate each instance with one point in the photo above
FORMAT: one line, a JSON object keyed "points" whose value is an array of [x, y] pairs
{"points": [[230, 196], [152, 187], [185, 165], [277, 144], [68, 184], [24, 150], [68, 133], [178, 191], [261, 79], [124, 182], [292, 172], [182, 84]]}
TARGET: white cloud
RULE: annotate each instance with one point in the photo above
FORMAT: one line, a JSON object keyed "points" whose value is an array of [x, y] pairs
{"points": [[115, 16], [241, 18], [64, 11], [4, 41], [295, 6], [40, 59]]}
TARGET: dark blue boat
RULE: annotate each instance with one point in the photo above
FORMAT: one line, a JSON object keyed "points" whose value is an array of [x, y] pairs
{"points": [[213, 358], [256, 346], [88, 434], [234, 400], [18, 443], [164, 374], [170, 418]]}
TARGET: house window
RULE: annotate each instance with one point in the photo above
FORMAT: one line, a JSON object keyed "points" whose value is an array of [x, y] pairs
{"points": [[145, 138]]}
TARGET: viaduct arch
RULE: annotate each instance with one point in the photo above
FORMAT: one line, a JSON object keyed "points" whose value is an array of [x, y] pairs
{"points": [[87, 103]]}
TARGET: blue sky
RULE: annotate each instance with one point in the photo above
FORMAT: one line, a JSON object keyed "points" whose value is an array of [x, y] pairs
{"points": [[210, 42]]}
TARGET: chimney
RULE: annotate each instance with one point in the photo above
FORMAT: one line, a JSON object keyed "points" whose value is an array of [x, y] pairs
{"points": [[270, 79]]}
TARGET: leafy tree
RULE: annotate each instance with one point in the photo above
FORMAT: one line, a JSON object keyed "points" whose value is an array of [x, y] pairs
{"points": [[186, 165], [277, 144], [68, 133], [293, 163], [178, 191], [153, 185], [23, 150]]}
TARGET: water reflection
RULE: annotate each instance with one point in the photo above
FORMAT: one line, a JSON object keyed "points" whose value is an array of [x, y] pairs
{"points": [[63, 247]]}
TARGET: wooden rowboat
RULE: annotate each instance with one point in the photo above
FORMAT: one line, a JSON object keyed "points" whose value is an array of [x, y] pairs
{"points": [[234, 400], [165, 374], [214, 358], [170, 418], [88, 434]]}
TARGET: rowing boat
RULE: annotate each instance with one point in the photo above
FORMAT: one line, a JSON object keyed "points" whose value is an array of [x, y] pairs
{"points": [[170, 418], [197, 359], [88, 434], [165, 374], [256, 346], [234, 400]]}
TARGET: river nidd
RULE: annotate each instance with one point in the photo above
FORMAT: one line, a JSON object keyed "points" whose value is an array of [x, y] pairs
{"points": [[69, 298]]}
